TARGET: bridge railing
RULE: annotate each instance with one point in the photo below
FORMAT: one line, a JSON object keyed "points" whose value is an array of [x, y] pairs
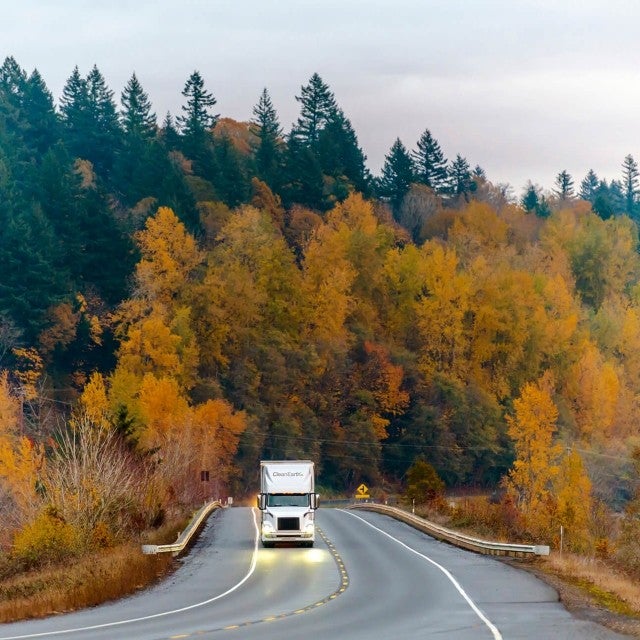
{"points": [[479, 545], [185, 537]]}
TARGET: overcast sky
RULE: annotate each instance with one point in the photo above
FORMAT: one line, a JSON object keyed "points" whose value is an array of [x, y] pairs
{"points": [[523, 88]]}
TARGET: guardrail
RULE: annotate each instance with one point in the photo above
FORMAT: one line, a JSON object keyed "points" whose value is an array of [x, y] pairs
{"points": [[453, 537], [185, 537]]}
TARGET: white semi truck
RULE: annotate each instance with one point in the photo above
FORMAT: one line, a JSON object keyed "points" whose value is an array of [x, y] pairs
{"points": [[287, 502]]}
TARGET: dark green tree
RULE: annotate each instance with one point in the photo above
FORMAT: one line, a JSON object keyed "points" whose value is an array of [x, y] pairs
{"points": [[138, 119], [430, 163], [630, 175], [589, 186], [317, 106], [43, 130], [197, 119], [531, 199], [397, 175], [231, 182], [564, 186], [268, 154], [460, 180], [341, 157], [90, 120]]}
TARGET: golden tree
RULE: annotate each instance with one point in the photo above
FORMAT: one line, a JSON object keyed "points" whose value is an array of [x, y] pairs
{"points": [[532, 428]]}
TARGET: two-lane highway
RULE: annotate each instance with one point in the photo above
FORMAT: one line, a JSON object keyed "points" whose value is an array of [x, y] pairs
{"points": [[370, 577]]}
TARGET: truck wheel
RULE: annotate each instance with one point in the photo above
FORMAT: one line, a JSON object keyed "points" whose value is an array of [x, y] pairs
{"points": [[307, 544], [267, 545]]}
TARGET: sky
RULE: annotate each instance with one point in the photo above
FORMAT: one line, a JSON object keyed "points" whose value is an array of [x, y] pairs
{"points": [[523, 88]]}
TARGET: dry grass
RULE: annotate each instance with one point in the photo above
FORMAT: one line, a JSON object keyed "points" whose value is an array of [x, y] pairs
{"points": [[85, 582], [92, 580], [608, 587]]}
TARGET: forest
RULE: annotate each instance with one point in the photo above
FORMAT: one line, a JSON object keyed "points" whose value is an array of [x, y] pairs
{"points": [[201, 293]]}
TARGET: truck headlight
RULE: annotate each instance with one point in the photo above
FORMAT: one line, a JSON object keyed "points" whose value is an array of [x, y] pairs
{"points": [[267, 527]]}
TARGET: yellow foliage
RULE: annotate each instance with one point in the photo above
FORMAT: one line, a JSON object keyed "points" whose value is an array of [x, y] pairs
{"points": [[93, 402], [440, 313], [29, 369], [164, 410], [169, 256], [532, 429], [217, 429], [572, 489], [46, 539], [593, 389]]}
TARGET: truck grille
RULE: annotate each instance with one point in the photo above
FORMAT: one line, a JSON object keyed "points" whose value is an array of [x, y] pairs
{"points": [[288, 524]]}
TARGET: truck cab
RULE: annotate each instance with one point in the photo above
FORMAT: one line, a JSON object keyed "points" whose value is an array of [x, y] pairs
{"points": [[287, 502]]}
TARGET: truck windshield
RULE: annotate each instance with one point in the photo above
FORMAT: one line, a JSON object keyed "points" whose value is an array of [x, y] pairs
{"points": [[288, 500]]}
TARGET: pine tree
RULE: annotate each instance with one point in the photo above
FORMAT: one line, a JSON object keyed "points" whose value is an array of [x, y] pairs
{"points": [[197, 118], [530, 199], [340, 156], [91, 120], [630, 175], [564, 186], [39, 111], [317, 105], [460, 177], [397, 175], [267, 128], [589, 186], [137, 118], [430, 163], [13, 80]]}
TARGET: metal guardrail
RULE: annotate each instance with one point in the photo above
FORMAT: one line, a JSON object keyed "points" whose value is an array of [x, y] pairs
{"points": [[453, 537], [185, 537]]}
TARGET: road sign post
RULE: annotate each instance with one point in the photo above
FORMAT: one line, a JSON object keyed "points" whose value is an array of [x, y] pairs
{"points": [[362, 492]]}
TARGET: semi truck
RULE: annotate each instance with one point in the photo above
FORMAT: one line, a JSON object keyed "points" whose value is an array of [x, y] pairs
{"points": [[287, 502]]}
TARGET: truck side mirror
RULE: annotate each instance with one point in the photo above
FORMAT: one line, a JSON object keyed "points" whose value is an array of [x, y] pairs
{"points": [[314, 500], [262, 501]]}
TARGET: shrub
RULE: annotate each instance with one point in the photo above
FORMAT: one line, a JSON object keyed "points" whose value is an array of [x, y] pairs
{"points": [[423, 483], [45, 540]]}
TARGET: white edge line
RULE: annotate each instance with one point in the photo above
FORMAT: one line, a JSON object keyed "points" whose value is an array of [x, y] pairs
{"points": [[494, 630], [106, 625]]}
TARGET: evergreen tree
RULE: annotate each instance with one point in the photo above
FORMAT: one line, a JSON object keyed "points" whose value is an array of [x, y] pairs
{"points": [[31, 263], [564, 186], [104, 137], [317, 105], [460, 177], [304, 182], [340, 156], [39, 111], [530, 200], [138, 121], [169, 133], [589, 186], [630, 175], [74, 107], [397, 175], [231, 181], [267, 128], [430, 163], [197, 118], [91, 120], [13, 80]]}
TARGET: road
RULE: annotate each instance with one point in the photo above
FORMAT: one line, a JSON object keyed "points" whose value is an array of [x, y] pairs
{"points": [[369, 577]]}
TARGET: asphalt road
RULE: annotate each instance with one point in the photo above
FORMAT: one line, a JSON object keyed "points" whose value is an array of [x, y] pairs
{"points": [[369, 577]]}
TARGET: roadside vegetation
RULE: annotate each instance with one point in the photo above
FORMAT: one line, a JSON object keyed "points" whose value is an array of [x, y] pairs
{"points": [[181, 300]]}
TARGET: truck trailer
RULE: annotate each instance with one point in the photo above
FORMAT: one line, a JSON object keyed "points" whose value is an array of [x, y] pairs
{"points": [[287, 502]]}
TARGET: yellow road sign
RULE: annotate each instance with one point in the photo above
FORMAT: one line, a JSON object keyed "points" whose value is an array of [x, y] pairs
{"points": [[362, 492]]}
